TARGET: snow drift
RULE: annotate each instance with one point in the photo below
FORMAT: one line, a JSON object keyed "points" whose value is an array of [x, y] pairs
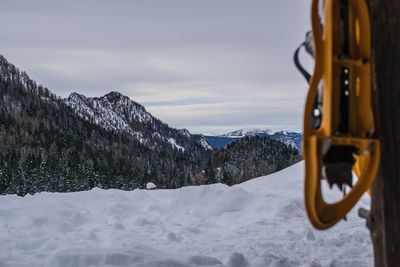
{"points": [[258, 223]]}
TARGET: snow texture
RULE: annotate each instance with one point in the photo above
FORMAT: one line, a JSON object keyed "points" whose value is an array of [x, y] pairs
{"points": [[258, 223]]}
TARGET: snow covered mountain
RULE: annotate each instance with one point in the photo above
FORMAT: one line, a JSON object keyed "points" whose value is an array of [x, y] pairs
{"points": [[79, 143], [258, 223], [287, 137], [116, 112], [248, 132]]}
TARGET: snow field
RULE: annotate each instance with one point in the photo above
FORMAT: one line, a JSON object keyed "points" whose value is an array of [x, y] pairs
{"points": [[261, 222]]}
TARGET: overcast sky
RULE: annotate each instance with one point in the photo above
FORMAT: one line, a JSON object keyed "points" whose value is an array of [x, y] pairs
{"points": [[210, 66]]}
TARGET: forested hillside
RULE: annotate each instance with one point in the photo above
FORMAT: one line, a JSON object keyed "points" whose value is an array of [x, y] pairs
{"points": [[250, 157]]}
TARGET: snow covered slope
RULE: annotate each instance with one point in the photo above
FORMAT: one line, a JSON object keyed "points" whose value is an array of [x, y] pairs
{"points": [[117, 112], [258, 223], [113, 111]]}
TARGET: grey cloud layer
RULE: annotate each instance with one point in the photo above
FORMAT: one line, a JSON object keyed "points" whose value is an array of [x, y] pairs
{"points": [[209, 65]]}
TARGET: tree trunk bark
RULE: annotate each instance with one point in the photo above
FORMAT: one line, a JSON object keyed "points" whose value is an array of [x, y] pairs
{"points": [[384, 220]]}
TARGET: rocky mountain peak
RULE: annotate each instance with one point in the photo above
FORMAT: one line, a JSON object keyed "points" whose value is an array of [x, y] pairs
{"points": [[114, 96]]}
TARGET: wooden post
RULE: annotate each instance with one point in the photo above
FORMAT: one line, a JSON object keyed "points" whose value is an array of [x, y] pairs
{"points": [[384, 220]]}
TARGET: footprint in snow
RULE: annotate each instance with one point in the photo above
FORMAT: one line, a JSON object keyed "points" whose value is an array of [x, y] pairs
{"points": [[204, 261], [172, 237], [237, 260], [39, 221], [143, 222]]}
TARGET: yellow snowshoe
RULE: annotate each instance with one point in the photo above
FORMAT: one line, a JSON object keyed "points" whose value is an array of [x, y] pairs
{"points": [[339, 119]]}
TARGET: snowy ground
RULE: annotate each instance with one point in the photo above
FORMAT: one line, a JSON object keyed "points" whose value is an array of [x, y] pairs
{"points": [[258, 223]]}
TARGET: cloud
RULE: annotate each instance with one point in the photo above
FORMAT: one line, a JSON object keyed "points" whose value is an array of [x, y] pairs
{"points": [[203, 65]]}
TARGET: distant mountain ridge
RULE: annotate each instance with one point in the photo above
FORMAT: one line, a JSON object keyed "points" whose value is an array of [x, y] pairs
{"points": [[249, 132], [221, 141]]}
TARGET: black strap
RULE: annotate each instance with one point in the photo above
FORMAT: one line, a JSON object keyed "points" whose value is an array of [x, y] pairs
{"points": [[302, 70]]}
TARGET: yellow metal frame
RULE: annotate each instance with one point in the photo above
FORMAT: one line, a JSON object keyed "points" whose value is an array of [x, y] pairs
{"points": [[328, 64]]}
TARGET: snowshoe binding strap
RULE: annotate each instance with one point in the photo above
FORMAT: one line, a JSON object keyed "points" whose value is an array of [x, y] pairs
{"points": [[308, 46], [339, 129]]}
